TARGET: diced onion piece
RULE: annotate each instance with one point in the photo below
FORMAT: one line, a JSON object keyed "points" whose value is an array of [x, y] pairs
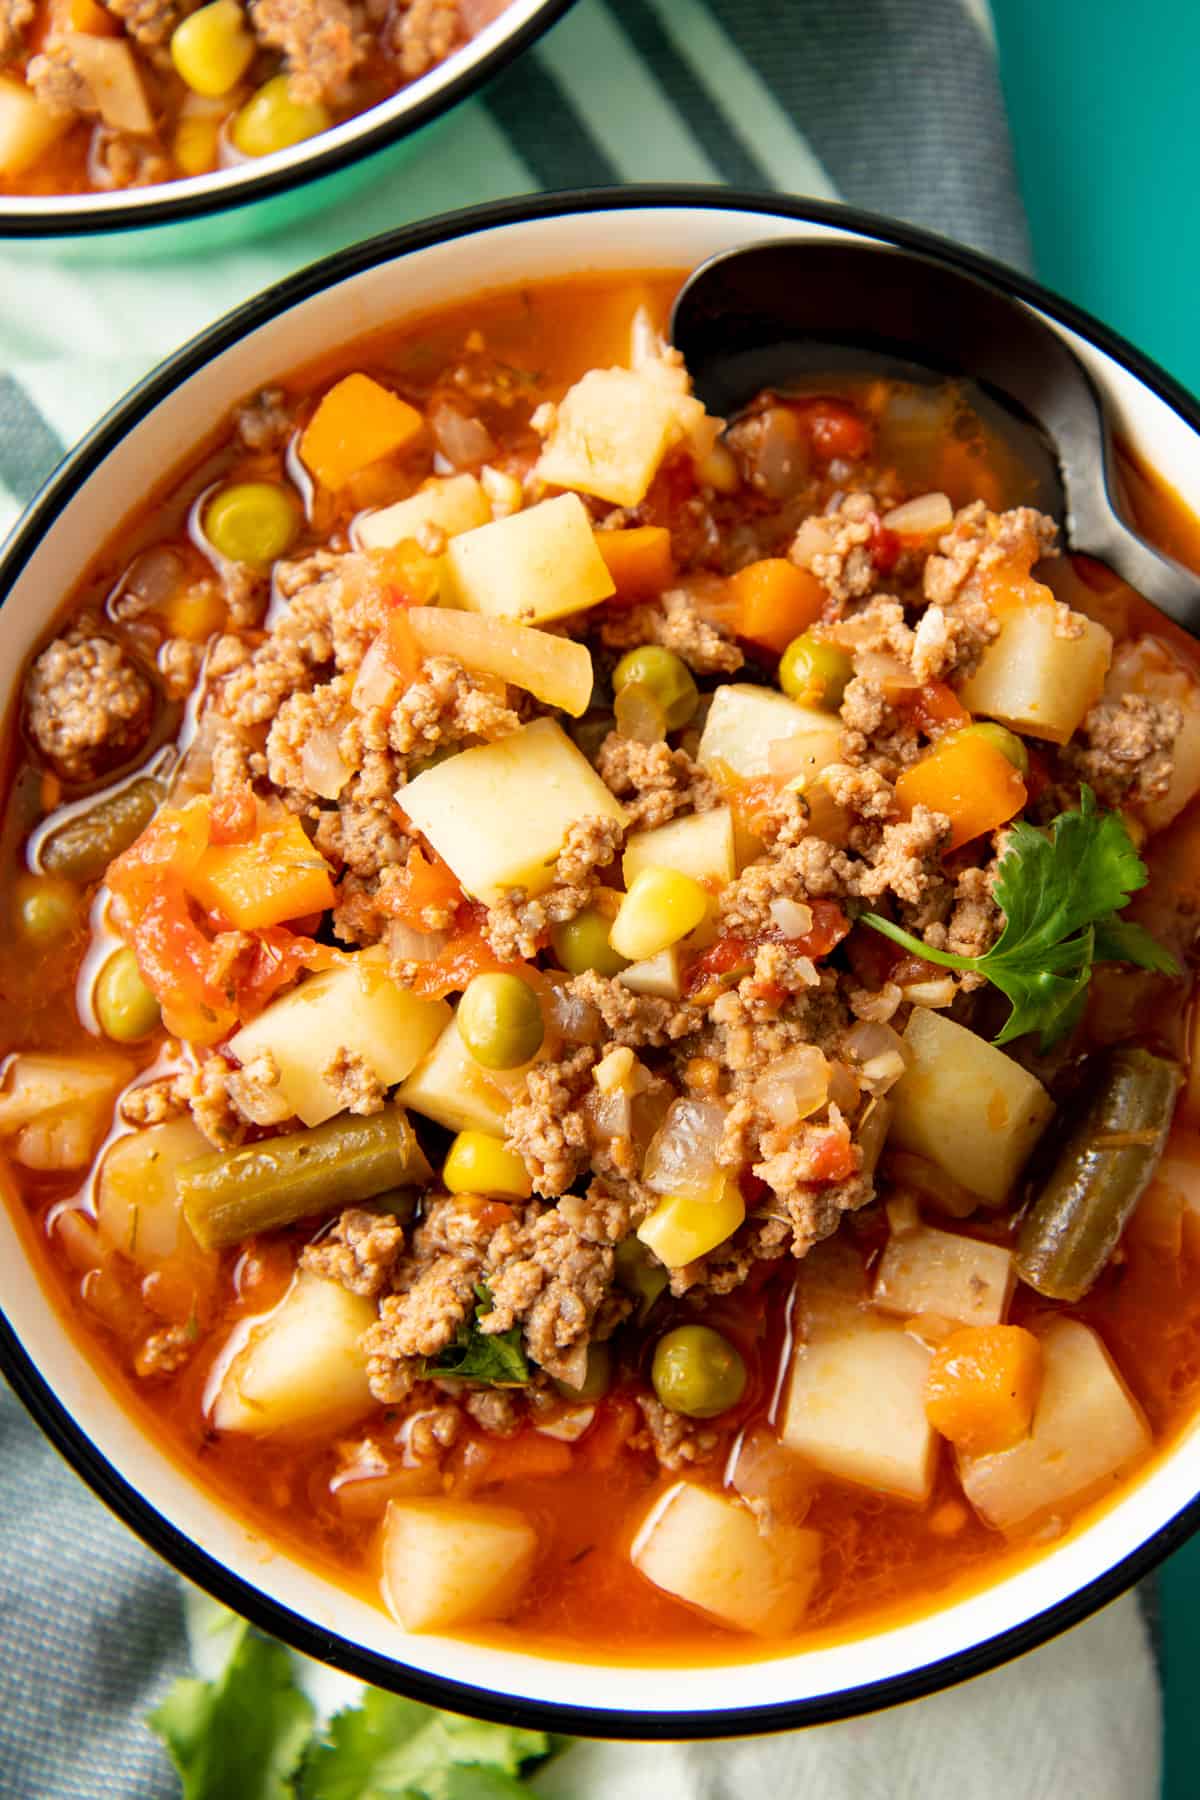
{"points": [[936, 993], [505, 493], [888, 672], [769, 1476], [920, 517], [406, 944], [682, 1154], [791, 917], [556, 670], [795, 1086], [377, 683], [110, 70], [569, 1426], [321, 764], [462, 440]]}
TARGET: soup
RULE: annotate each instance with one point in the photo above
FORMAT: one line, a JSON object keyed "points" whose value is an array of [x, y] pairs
{"points": [[96, 97], [596, 996]]}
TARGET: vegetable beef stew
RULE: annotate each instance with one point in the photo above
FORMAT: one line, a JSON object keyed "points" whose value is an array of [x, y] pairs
{"points": [[596, 998], [97, 95]]}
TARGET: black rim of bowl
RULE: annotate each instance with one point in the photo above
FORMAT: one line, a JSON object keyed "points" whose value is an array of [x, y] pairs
{"points": [[170, 206], [68, 1436]]}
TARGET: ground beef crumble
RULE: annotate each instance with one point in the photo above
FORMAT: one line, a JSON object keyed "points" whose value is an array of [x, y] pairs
{"points": [[89, 706]]}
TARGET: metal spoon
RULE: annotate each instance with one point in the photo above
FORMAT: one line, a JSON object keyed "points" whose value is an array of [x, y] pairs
{"points": [[760, 316]]}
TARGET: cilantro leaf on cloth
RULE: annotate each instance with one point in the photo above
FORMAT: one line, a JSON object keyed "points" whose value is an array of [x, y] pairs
{"points": [[394, 1749], [1060, 892], [495, 1358], [242, 1734]]}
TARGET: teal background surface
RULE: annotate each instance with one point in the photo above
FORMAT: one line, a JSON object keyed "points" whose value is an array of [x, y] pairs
{"points": [[1104, 101]]}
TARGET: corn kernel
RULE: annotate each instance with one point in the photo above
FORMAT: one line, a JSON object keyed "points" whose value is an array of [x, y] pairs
{"points": [[661, 907], [615, 1071], [271, 120], [685, 1226], [477, 1163], [212, 48], [195, 145]]}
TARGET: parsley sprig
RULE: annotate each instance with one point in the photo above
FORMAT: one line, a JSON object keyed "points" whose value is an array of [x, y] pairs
{"points": [[494, 1359], [1061, 892]]}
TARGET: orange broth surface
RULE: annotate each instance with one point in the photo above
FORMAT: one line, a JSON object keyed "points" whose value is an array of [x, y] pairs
{"points": [[882, 1560]]}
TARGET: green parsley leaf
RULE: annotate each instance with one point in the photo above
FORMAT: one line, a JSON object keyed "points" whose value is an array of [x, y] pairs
{"points": [[242, 1734], [495, 1359], [1060, 893], [389, 1748]]}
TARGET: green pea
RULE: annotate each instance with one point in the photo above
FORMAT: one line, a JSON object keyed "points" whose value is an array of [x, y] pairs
{"points": [[1002, 739], [639, 1273], [47, 908], [582, 944], [597, 1380], [271, 120], [500, 1021], [667, 677], [83, 848], [697, 1372], [125, 1008], [815, 672], [252, 522]]}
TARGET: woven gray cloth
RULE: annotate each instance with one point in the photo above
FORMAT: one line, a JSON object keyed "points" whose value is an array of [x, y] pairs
{"points": [[893, 105]]}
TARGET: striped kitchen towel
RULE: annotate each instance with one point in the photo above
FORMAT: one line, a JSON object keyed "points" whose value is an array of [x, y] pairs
{"points": [[892, 105]]}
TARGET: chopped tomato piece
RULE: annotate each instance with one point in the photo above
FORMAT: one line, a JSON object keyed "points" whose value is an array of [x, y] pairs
{"points": [[427, 886], [466, 955], [232, 818], [886, 546], [732, 954], [834, 428], [934, 707], [403, 650], [831, 1155]]}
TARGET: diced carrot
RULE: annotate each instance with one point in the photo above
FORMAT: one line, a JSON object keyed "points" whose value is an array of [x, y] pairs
{"points": [[982, 1387], [357, 423], [969, 780], [526, 1457], [278, 875], [403, 650], [776, 602], [639, 561]]}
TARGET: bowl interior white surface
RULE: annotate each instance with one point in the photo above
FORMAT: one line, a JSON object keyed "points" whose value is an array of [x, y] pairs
{"points": [[414, 104], [627, 238]]}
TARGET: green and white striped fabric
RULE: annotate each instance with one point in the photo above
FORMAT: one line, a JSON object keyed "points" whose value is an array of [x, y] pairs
{"points": [[891, 105]]}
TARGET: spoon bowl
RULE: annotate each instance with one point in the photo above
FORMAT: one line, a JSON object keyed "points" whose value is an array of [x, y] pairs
{"points": [[764, 315]]}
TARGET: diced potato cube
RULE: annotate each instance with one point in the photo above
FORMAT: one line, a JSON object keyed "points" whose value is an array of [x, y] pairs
{"points": [[1147, 666], [448, 1563], [554, 669], [700, 845], [706, 1550], [744, 721], [611, 432], [928, 1271], [856, 1404], [137, 1208], [280, 874], [27, 128], [452, 1088], [965, 1106], [1033, 679], [660, 976], [1087, 1430], [538, 564], [450, 504], [303, 1366], [39, 1085], [499, 813], [685, 1226], [356, 1007]]}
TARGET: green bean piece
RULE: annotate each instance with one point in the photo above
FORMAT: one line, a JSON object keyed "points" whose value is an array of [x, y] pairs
{"points": [[500, 1021], [47, 908], [582, 943], [1002, 739], [1102, 1172], [697, 1372], [665, 676], [639, 1273], [126, 1010], [83, 848], [596, 1381], [234, 1194]]}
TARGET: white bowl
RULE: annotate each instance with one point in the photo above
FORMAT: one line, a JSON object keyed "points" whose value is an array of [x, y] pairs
{"points": [[433, 94], [336, 301]]}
